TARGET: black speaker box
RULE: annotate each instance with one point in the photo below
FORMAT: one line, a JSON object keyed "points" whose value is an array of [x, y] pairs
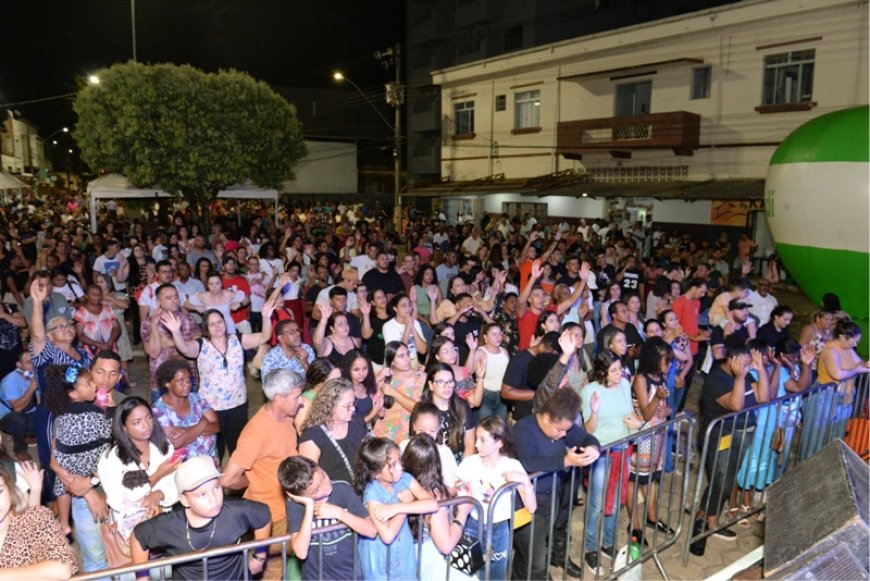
{"points": [[816, 522]]}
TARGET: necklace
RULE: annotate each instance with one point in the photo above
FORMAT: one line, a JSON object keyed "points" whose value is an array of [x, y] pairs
{"points": [[213, 527]]}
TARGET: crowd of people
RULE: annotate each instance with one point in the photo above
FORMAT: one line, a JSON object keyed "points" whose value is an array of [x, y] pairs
{"points": [[399, 369]]}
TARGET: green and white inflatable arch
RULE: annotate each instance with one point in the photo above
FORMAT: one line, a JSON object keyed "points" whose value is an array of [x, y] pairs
{"points": [[817, 200]]}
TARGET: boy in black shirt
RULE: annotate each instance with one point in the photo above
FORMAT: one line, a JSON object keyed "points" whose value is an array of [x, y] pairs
{"points": [[316, 502], [204, 521]]}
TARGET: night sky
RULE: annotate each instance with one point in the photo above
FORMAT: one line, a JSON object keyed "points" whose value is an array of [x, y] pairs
{"points": [[48, 45]]}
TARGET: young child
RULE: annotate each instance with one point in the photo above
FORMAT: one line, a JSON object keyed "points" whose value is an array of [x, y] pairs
{"points": [[442, 529], [481, 474], [81, 429], [390, 495], [426, 419], [314, 502]]}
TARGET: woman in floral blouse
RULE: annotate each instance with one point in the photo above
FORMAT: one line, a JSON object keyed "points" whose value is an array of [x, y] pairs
{"points": [[220, 358], [186, 418]]}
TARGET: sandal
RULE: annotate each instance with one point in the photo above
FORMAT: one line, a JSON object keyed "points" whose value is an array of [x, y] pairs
{"points": [[744, 522]]}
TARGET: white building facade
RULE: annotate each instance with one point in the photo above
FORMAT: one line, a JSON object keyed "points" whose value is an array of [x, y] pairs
{"points": [[687, 108]]}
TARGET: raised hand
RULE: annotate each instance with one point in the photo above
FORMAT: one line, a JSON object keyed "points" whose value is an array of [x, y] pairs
{"points": [[595, 403], [170, 321], [38, 292], [567, 343], [757, 360], [471, 342], [432, 293], [537, 269], [365, 307], [326, 311], [808, 354], [480, 367], [584, 270], [737, 368]]}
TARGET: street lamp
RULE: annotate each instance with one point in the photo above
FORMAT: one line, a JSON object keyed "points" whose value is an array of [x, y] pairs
{"points": [[395, 129], [93, 79]]}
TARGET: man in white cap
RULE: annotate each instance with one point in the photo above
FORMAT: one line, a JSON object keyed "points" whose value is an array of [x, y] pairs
{"points": [[205, 521]]}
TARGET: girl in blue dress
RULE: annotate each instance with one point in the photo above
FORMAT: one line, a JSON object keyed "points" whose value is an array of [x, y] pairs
{"points": [[390, 495]]}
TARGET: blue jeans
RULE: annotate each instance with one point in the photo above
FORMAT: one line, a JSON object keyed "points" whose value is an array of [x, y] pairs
{"points": [[598, 475], [87, 535], [501, 539], [492, 405]]}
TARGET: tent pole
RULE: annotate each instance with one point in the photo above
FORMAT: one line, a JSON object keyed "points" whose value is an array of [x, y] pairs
{"points": [[93, 204]]}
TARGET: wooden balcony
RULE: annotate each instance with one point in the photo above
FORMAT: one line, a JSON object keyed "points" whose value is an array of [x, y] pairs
{"points": [[677, 130]]}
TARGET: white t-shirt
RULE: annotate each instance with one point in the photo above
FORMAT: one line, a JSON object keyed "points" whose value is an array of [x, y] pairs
{"points": [[362, 263], [393, 331], [483, 482], [323, 299], [111, 266]]}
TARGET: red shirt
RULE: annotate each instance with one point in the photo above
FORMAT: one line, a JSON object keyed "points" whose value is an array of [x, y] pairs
{"points": [[238, 283], [526, 325], [687, 312]]}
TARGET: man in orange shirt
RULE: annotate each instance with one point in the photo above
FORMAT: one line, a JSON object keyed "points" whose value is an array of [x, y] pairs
{"points": [[268, 438], [533, 301], [687, 307]]}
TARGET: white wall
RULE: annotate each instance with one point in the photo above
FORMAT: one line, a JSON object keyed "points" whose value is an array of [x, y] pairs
{"points": [[329, 168], [562, 206], [682, 212]]}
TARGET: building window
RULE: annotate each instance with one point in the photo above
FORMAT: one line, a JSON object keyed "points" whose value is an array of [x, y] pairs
{"points": [[500, 102], [633, 99], [463, 113], [527, 107], [701, 77], [788, 77], [513, 38]]}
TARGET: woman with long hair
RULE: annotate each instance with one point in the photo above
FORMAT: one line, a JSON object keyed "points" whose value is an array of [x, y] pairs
{"points": [[368, 400], [220, 360], [817, 333], [649, 392], [374, 316], [217, 298], [547, 321], [444, 350], [318, 373], [492, 359], [609, 416], [405, 327], [332, 336], [32, 545], [427, 295], [333, 433], [614, 341], [421, 460], [479, 475], [136, 472], [202, 269], [673, 335], [118, 302], [457, 423], [405, 386]]}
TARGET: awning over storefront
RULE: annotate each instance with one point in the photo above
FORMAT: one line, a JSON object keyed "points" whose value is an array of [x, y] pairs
{"points": [[569, 183]]}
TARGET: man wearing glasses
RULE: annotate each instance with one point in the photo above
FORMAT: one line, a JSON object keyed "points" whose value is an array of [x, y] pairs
{"points": [[290, 352]]}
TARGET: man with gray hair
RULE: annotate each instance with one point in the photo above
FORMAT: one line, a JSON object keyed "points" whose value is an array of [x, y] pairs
{"points": [[268, 438]]}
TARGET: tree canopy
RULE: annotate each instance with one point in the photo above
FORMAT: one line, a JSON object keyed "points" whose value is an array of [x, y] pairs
{"points": [[189, 132]]}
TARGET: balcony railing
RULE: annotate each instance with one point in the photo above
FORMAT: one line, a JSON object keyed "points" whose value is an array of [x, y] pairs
{"points": [[673, 130]]}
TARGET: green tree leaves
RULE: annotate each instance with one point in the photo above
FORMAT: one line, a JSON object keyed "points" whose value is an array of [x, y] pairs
{"points": [[186, 131]]}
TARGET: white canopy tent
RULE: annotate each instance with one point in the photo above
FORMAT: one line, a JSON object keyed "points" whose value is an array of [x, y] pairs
{"points": [[10, 182], [116, 186], [249, 191]]}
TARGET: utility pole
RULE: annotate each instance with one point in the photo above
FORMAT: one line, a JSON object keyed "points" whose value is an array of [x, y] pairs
{"points": [[133, 25], [395, 94]]}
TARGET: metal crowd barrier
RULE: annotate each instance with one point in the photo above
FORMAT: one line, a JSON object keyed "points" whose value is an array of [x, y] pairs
{"points": [[558, 504], [284, 540], [750, 449]]}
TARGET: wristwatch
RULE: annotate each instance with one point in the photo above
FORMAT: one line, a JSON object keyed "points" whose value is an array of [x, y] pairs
{"points": [[94, 480]]}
